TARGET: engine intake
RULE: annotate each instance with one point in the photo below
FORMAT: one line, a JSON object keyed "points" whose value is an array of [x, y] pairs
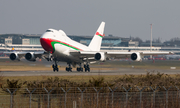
{"points": [[136, 57], [97, 56], [100, 56], [14, 56], [30, 57]]}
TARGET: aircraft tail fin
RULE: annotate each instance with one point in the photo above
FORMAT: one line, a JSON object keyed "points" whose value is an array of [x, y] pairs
{"points": [[95, 43]]}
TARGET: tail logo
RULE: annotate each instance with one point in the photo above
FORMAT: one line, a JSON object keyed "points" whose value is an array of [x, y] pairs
{"points": [[97, 33]]}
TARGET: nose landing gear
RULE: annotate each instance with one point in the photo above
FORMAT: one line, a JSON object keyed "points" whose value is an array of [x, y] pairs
{"points": [[55, 67]]}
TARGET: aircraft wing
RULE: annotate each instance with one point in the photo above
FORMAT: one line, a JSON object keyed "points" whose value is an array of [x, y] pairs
{"points": [[106, 55], [31, 56]]}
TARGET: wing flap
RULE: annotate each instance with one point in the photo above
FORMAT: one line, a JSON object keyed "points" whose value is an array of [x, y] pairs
{"points": [[156, 53], [83, 54], [128, 54], [118, 54]]}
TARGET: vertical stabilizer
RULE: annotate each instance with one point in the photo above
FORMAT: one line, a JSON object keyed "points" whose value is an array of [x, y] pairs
{"points": [[95, 43]]}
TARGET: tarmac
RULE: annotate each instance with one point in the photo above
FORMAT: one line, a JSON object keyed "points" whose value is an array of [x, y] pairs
{"points": [[120, 71]]}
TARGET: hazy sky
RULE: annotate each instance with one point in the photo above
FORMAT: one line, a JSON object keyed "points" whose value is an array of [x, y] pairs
{"points": [[82, 17]]}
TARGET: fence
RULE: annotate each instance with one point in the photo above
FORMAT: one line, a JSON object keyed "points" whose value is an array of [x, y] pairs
{"points": [[76, 97]]}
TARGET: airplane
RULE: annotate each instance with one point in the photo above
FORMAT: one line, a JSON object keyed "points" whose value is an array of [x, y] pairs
{"points": [[59, 47]]}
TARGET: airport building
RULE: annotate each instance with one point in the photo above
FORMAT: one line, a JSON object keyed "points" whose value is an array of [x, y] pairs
{"points": [[21, 39], [30, 42]]}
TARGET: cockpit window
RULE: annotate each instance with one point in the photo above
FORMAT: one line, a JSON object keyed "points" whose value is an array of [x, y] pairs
{"points": [[49, 31]]}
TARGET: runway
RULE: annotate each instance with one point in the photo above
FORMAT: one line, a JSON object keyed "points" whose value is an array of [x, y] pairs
{"points": [[105, 68], [119, 71]]}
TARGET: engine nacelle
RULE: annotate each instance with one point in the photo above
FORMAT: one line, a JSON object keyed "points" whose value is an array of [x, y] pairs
{"points": [[14, 56], [136, 57], [30, 56], [100, 56]]}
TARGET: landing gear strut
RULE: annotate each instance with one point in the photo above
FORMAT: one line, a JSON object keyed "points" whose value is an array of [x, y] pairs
{"points": [[55, 67], [69, 69], [50, 57]]}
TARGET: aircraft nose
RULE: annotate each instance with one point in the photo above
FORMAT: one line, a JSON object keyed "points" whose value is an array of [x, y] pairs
{"points": [[46, 44]]}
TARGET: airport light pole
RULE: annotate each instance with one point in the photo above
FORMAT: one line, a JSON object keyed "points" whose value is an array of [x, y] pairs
{"points": [[151, 42]]}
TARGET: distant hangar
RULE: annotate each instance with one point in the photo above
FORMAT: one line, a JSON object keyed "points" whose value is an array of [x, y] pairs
{"points": [[33, 39]]}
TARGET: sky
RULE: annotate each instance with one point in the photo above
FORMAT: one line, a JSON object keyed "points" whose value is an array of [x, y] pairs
{"points": [[124, 18]]}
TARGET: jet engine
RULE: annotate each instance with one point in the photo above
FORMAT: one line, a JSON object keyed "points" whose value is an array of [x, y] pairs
{"points": [[136, 57], [14, 56], [100, 56], [30, 56]]}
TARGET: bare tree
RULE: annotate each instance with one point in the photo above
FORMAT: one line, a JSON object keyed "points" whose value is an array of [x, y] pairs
{"points": [[137, 39]]}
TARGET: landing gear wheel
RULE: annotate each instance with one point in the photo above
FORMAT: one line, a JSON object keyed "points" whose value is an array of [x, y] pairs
{"points": [[88, 69], [54, 69], [79, 69], [68, 69]]}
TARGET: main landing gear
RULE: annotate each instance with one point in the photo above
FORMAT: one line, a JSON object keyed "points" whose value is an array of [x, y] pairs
{"points": [[69, 69], [86, 67], [79, 69]]}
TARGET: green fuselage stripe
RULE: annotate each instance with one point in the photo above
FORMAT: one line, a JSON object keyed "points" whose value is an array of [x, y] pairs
{"points": [[53, 43]]}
